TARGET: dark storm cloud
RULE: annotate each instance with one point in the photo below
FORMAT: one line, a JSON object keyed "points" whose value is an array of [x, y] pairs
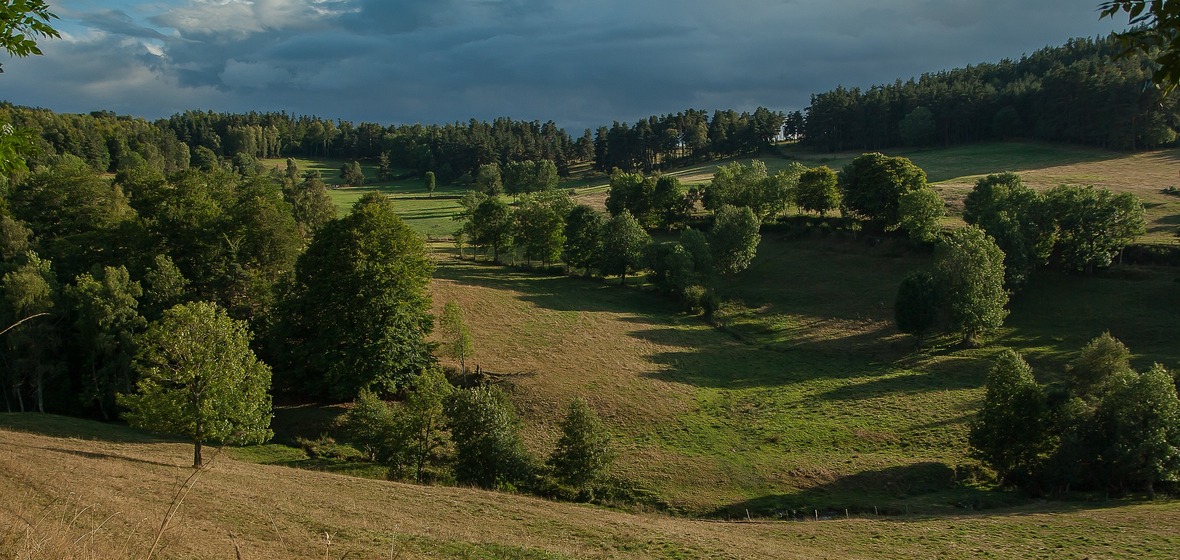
{"points": [[578, 63]]}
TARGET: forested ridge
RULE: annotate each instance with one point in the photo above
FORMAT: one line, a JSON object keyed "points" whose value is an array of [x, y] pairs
{"points": [[1075, 93], [1079, 93]]}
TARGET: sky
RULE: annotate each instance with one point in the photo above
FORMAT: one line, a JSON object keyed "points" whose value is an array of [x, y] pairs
{"points": [[580, 63]]}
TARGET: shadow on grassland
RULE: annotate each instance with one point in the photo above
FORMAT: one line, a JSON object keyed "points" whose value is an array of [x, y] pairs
{"points": [[56, 426], [917, 491]]}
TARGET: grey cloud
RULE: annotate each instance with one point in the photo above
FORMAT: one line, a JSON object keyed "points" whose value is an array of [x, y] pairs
{"points": [[118, 22], [581, 64]]}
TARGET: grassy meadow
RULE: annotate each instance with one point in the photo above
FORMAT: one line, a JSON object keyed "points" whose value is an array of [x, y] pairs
{"points": [[81, 490], [800, 400]]}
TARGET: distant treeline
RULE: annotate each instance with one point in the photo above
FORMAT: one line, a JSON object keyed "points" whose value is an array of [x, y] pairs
{"points": [[1076, 93], [109, 142]]}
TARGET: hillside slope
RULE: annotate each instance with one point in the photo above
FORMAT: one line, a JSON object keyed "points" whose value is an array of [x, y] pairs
{"points": [[76, 498]]}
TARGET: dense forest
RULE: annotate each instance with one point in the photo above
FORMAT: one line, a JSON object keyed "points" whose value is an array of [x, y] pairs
{"points": [[1077, 93]]}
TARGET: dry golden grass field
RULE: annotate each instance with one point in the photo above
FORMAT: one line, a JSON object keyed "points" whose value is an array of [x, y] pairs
{"points": [[67, 498]]}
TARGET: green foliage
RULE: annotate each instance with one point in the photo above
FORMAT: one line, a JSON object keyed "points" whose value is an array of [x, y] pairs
{"points": [[918, 304], [311, 206], [917, 128], [697, 246], [14, 238], [1093, 224], [373, 427], [198, 378], [166, 287], [540, 224], [488, 179], [16, 145], [21, 23], [873, 184], [583, 452], [583, 238], [351, 174], [1010, 433], [670, 266], [384, 167], [970, 273], [492, 226], [31, 351], [633, 193], [357, 314], [523, 177], [766, 195], [920, 214], [430, 182], [457, 342], [1139, 423], [734, 239], [106, 322], [1018, 219], [1154, 31], [488, 450], [818, 190], [424, 418], [1102, 364], [623, 242], [671, 203]]}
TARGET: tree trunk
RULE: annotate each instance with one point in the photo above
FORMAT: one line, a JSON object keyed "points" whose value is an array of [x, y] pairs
{"points": [[197, 454]]}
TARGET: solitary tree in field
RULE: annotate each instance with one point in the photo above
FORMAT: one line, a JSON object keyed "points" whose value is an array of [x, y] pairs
{"points": [[430, 183], [970, 270], [199, 379], [352, 175]]}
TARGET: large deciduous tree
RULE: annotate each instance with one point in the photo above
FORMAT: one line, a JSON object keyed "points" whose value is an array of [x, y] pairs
{"points": [[1010, 432], [1093, 224], [873, 184], [623, 244], [818, 190], [357, 314], [920, 213], [198, 378], [1015, 216], [970, 270], [583, 239], [734, 239], [106, 321]]}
